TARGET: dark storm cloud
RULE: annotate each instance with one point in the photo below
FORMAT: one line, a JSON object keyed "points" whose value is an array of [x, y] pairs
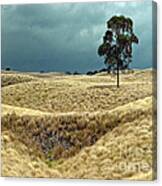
{"points": [[65, 37]]}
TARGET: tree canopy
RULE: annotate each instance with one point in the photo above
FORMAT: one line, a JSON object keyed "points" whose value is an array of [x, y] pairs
{"points": [[117, 43]]}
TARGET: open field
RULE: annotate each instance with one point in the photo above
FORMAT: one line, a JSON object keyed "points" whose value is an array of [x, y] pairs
{"points": [[78, 126]]}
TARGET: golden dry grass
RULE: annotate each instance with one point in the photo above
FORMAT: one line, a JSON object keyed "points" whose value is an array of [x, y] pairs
{"points": [[128, 145], [10, 78], [18, 160], [100, 129]]}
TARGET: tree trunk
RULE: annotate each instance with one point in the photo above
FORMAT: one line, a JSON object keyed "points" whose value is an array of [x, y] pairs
{"points": [[118, 74]]}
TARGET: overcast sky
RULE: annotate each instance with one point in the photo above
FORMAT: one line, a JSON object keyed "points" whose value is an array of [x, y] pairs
{"points": [[65, 37]]}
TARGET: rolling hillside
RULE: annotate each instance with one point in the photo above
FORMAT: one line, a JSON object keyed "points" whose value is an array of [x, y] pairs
{"points": [[78, 126]]}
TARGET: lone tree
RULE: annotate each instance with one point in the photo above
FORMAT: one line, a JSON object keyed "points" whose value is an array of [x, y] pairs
{"points": [[117, 44]]}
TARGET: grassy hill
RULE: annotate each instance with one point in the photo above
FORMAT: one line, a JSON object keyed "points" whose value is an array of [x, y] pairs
{"points": [[67, 126]]}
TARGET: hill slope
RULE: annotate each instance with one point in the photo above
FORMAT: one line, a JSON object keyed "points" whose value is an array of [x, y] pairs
{"points": [[79, 127]]}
